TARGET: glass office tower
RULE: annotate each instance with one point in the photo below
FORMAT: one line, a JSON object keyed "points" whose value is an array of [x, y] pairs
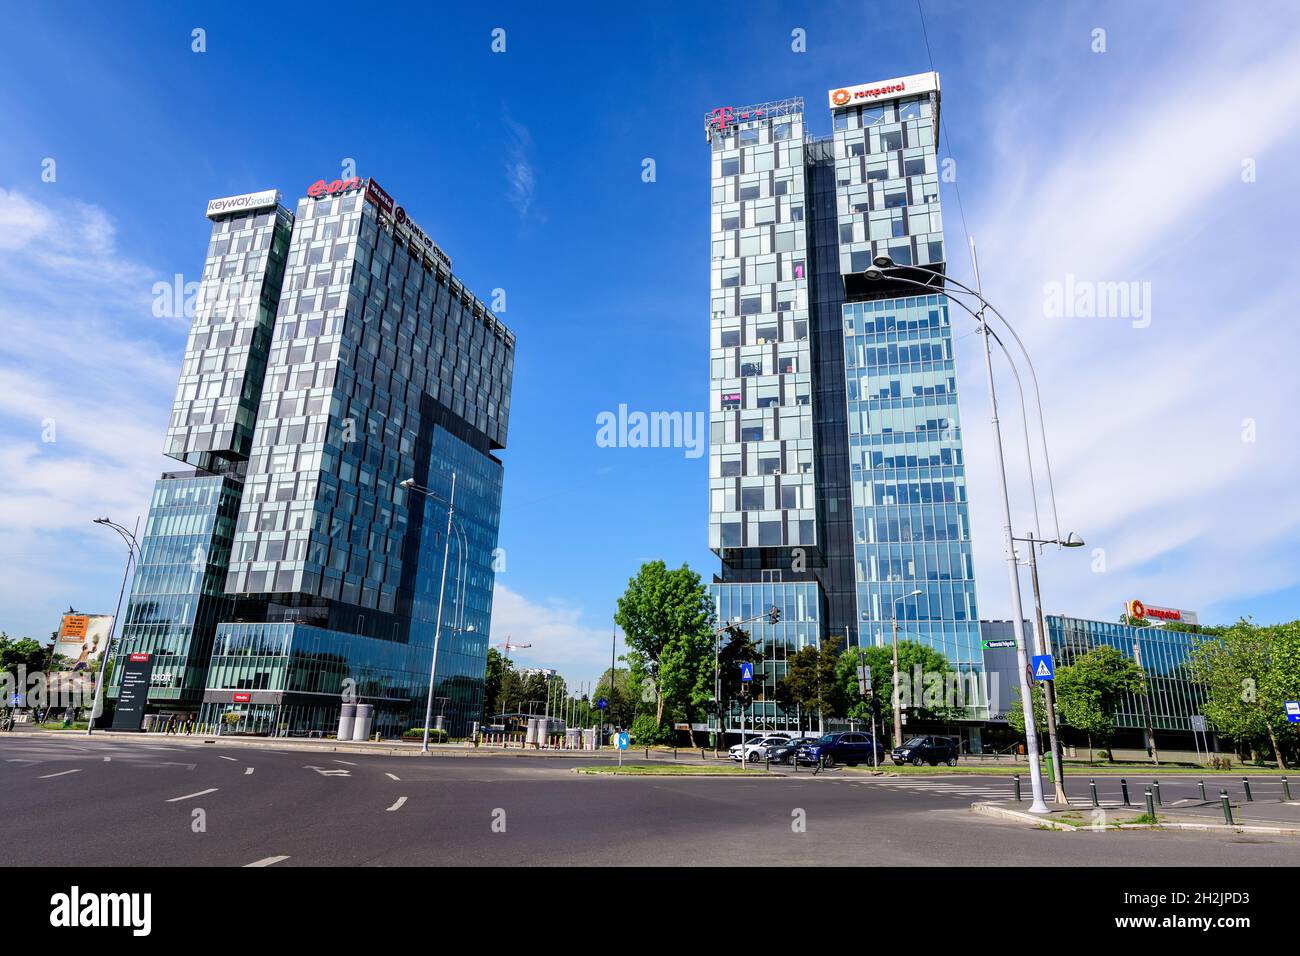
{"points": [[367, 364], [835, 453]]}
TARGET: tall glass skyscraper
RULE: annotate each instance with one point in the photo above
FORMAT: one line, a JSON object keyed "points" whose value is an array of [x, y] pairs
{"points": [[836, 457], [333, 355]]}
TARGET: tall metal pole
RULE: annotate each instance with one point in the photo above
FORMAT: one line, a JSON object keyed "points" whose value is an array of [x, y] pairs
{"points": [[898, 705], [1013, 575], [106, 658], [437, 629], [1049, 688]]}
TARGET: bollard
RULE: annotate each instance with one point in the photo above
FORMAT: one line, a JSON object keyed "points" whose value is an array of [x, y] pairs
{"points": [[1123, 786], [1155, 785], [1286, 790], [1151, 807], [1016, 777], [767, 761], [1092, 785], [674, 751], [1201, 783], [647, 753], [702, 757], [1245, 785], [1227, 807]]}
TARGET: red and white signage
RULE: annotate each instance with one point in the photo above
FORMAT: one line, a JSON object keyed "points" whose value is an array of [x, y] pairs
{"points": [[375, 193], [895, 89], [1150, 612], [242, 698], [139, 658], [334, 187]]}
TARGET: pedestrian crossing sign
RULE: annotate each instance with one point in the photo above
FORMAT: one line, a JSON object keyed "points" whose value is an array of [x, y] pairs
{"points": [[1041, 667]]}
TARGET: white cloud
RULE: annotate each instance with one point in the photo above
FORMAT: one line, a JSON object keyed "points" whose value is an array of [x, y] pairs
{"points": [[77, 366], [1144, 184], [557, 632], [520, 177]]}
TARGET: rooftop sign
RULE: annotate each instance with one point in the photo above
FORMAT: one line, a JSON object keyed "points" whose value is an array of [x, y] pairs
{"points": [[267, 198], [884, 90], [1149, 612]]}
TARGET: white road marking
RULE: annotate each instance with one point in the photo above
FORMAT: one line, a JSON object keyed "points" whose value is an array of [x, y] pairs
{"points": [[189, 796], [392, 776], [61, 773], [268, 861], [247, 771], [107, 759], [348, 762], [224, 757], [397, 805], [333, 772]]}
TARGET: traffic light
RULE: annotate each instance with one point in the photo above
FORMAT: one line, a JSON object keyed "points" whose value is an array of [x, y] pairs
{"points": [[774, 615]]}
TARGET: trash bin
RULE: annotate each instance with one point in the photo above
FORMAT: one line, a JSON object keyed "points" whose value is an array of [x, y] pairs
{"points": [[347, 718], [365, 717]]}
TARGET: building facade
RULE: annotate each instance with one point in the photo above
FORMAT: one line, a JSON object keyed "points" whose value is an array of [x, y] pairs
{"points": [[337, 357], [835, 448]]}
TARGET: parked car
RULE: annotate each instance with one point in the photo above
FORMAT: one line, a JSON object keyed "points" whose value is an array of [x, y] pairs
{"points": [[927, 749], [785, 751], [848, 747], [754, 748]]}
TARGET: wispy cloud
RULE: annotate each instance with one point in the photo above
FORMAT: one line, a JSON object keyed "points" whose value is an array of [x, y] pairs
{"points": [[521, 180], [83, 404], [1150, 426], [557, 631]]}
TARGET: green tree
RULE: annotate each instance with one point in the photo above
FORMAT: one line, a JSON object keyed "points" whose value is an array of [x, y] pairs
{"points": [[929, 686], [1016, 714], [1090, 690], [495, 674], [622, 698], [22, 651], [667, 620], [735, 647], [1248, 672], [810, 684]]}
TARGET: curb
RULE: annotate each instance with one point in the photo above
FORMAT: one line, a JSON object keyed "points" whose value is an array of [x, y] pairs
{"points": [[712, 775], [993, 810]]}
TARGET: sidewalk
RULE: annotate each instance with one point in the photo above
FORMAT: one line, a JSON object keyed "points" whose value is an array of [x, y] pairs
{"points": [[1273, 817]]}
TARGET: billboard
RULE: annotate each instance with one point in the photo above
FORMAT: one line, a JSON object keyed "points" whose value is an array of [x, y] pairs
{"points": [[266, 199], [83, 637], [884, 90], [1150, 612], [136, 672]]}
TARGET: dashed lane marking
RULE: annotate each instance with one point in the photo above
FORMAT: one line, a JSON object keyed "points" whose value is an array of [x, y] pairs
{"points": [[224, 757], [348, 762], [397, 805], [190, 796], [392, 776], [61, 773], [247, 771], [266, 861]]}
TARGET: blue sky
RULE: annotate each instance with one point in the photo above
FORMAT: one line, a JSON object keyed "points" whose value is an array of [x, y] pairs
{"points": [[1171, 439]]}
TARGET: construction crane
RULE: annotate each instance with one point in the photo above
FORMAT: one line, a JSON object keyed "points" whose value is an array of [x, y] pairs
{"points": [[508, 647]]}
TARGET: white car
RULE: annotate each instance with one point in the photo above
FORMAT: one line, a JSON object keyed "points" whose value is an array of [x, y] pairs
{"points": [[754, 748]]}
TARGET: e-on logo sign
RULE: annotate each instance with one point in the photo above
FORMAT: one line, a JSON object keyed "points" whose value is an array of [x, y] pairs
{"points": [[321, 188]]}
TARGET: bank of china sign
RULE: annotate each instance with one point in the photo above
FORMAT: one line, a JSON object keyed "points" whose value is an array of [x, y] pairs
{"points": [[267, 198], [884, 90]]}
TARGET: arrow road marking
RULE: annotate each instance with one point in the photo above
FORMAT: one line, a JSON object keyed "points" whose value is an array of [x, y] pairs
{"points": [[397, 805], [332, 772], [189, 796], [247, 771], [61, 773], [268, 861]]}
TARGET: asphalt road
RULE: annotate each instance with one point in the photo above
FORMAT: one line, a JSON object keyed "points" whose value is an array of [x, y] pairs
{"points": [[76, 801]]}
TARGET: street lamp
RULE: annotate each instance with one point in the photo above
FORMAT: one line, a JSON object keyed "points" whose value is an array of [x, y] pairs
{"points": [[884, 264], [898, 706], [132, 548], [1043, 645], [410, 485]]}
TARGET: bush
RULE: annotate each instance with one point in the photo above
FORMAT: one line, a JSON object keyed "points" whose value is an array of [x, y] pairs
{"points": [[1220, 762], [417, 733], [646, 732]]}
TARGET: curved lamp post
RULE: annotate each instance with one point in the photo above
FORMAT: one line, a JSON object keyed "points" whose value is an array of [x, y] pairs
{"points": [[132, 549], [883, 267]]}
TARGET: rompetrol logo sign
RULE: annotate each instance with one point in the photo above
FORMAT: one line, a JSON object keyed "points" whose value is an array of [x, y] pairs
{"points": [[322, 188], [840, 97], [1146, 611]]}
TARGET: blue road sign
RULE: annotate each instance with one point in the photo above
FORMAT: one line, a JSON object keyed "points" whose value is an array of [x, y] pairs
{"points": [[1293, 711], [622, 740], [602, 704], [746, 671], [1041, 667]]}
